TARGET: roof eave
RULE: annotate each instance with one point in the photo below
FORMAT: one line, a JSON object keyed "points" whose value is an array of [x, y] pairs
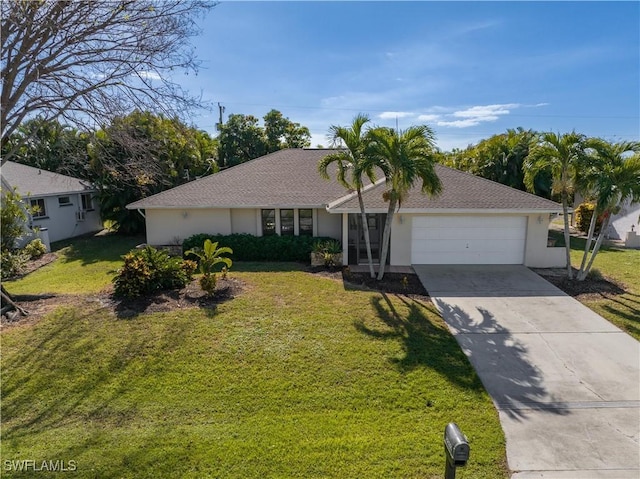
{"points": [[490, 211]]}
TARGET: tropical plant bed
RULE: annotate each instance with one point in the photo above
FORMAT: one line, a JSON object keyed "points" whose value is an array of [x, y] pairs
{"points": [[171, 300]]}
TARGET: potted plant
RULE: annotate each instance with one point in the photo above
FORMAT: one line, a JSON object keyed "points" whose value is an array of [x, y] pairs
{"points": [[326, 253]]}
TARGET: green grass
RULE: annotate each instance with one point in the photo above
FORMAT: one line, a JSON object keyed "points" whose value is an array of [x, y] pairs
{"points": [[296, 377], [84, 265], [621, 265]]}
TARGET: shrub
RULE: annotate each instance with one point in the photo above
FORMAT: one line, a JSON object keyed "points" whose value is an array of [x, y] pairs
{"points": [[209, 256], [35, 248], [584, 212], [149, 270], [208, 283], [13, 263], [13, 217], [247, 247]]}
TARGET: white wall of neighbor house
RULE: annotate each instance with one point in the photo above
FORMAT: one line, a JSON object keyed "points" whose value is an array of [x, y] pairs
{"points": [[622, 222], [61, 216], [173, 226]]}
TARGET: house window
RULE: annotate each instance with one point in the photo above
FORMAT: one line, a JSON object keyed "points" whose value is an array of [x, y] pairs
{"points": [[87, 202], [286, 222], [64, 200], [38, 209], [306, 222], [268, 222]]}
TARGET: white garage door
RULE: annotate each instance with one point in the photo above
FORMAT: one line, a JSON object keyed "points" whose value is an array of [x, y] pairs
{"points": [[468, 239]]}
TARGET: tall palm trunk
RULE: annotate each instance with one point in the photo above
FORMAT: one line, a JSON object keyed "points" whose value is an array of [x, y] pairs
{"points": [[365, 227], [386, 235], [567, 236], [582, 274], [587, 247]]}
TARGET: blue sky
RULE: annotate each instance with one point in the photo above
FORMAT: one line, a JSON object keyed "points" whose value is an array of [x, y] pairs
{"points": [[467, 69]]}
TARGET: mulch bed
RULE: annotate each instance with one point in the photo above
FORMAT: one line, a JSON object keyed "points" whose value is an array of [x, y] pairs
{"points": [[161, 301], [392, 283], [590, 288], [188, 297]]}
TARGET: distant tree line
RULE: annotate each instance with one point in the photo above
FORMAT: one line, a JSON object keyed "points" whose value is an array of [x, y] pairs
{"points": [[143, 153]]}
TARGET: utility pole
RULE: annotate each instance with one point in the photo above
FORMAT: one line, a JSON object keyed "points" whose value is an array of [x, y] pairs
{"points": [[221, 110]]}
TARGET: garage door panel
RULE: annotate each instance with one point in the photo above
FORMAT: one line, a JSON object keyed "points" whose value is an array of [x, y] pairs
{"points": [[468, 221], [471, 258], [468, 239], [486, 232]]}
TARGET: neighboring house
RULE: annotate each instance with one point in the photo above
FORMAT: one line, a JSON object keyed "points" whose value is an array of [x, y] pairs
{"points": [[622, 222], [626, 220], [66, 206], [473, 221]]}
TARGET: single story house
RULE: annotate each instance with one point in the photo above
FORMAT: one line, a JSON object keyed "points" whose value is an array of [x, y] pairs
{"points": [[473, 220], [64, 205]]}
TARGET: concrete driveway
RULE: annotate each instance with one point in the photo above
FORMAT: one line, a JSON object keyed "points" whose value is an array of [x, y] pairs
{"points": [[565, 381]]}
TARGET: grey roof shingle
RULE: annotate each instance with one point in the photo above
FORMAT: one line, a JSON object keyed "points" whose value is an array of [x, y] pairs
{"points": [[284, 178], [289, 178], [36, 182], [460, 191]]}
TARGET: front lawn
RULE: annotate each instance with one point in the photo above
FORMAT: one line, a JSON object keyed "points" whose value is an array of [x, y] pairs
{"points": [[84, 265], [622, 266], [296, 377]]}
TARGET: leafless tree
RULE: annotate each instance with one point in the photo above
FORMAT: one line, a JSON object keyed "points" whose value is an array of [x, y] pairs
{"points": [[88, 61]]}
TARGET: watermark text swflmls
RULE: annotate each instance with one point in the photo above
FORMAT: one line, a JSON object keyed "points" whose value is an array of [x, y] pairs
{"points": [[25, 465]]}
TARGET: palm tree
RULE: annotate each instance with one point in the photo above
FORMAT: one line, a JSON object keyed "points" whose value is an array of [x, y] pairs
{"points": [[405, 157], [561, 155], [613, 176], [351, 160]]}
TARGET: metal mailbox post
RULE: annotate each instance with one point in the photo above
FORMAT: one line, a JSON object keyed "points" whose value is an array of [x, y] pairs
{"points": [[456, 447]]}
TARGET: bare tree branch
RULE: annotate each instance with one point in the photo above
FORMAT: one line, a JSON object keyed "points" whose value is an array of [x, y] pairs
{"points": [[91, 61]]}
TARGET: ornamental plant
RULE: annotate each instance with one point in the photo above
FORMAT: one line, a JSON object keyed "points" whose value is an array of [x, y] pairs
{"points": [[209, 256]]}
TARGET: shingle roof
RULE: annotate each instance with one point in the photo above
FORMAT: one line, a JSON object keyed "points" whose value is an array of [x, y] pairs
{"points": [[36, 182], [289, 178], [460, 191], [284, 178]]}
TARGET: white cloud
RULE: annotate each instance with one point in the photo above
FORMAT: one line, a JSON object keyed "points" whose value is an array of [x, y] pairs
{"points": [[429, 117], [460, 123], [394, 114], [475, 115], [490, 112]]}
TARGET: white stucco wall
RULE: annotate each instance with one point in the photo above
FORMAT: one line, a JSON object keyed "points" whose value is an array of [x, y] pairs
{"points": [[621, 223], [173, 226], [61, 221], [537, 254], [245, 220], [401, 239], [329, 224]]}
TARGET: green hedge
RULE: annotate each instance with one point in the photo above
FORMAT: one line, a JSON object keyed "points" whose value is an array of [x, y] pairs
{"points": [[247, 247]]}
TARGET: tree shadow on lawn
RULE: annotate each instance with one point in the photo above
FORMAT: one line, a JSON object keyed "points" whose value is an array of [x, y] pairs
{"points": [[425, 344], [94, 248], [67, 377], [510, 379]]}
